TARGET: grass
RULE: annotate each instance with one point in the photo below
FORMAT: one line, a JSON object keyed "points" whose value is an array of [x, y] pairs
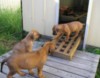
{"points": [[10, 29], [96, 51]]}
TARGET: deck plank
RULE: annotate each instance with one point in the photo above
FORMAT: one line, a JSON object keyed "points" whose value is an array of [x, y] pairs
{"points": [[2, 75], [73, 64], [70, 69], [88, 53], [82, 61], [61, 73], [47, 75], [83, 65], [87, 56]]}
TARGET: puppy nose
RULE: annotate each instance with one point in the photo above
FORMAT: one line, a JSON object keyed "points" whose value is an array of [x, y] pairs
{"points": [[54, 33]]}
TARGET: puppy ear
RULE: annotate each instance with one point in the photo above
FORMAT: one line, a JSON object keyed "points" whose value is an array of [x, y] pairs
{"points": [[31, 36]]}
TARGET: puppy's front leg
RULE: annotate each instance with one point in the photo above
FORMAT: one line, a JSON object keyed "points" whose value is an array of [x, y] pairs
{"points": [[76, 34], [31, 72], [20, 73], [67, 36], [40, 73]]}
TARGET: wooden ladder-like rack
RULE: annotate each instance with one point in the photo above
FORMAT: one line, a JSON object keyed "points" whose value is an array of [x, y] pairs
{"points": [[66, 50]]}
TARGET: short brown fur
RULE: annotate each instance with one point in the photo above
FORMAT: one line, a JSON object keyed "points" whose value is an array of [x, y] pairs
{"points": [[29, 61], [26, 44], [68, 28]]}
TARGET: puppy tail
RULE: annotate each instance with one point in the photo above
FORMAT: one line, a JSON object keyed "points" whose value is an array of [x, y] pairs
{"points": [[2, 63]]}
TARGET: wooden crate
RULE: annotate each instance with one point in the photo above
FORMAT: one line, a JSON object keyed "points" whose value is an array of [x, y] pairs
{"points": [[66, 50]]}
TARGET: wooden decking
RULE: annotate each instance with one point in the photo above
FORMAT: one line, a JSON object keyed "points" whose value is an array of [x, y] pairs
{"points": [[83, 65]]}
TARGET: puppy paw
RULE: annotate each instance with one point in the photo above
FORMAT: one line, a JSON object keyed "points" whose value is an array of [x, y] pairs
{"points": [[23, 74], [32, 74], [42, 76]]}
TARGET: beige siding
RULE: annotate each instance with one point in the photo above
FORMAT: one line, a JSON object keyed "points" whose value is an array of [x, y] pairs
{"points": [[94, 28], [50, 16], [40, 15], [33, 15], [27, 15]]}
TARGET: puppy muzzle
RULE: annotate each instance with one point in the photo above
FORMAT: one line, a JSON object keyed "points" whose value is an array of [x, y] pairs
{"points": [[51, 52], [39, 37]]}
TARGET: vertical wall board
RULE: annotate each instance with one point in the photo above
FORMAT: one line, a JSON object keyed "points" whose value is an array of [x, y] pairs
{"points": [[27, 15], [94, 28], [40, 15], [50, 16]]}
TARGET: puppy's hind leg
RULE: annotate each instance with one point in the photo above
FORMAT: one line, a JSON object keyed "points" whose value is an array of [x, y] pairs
{"points": [[10, 75], [31, 72], [40, 73], [11, 72], [20, 72]]}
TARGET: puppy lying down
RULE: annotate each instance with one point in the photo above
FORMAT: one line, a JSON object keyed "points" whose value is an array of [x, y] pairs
{"points": [[29, 61]]}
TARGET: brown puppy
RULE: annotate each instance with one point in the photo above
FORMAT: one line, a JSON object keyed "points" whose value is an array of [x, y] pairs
{"points": [[65, 10], [29, 61], [68, 28], [26, 44], [62, 9]]}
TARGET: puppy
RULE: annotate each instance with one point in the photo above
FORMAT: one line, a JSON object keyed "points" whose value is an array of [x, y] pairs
{"points": [[68, 28], [65, 10], [26, 44], [29, 61], [62, 9]]}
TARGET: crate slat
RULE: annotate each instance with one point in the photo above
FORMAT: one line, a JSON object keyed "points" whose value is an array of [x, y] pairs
{"points": [[67, 49]]}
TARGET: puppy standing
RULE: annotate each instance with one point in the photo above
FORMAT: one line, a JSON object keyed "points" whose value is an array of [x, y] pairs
{"points": [[68, 28], [29, 61], [26, 44]]}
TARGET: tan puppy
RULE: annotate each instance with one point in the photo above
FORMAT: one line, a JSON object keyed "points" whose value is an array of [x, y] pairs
{"points": [[68, 28], [26, 44], [29, 61]]}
